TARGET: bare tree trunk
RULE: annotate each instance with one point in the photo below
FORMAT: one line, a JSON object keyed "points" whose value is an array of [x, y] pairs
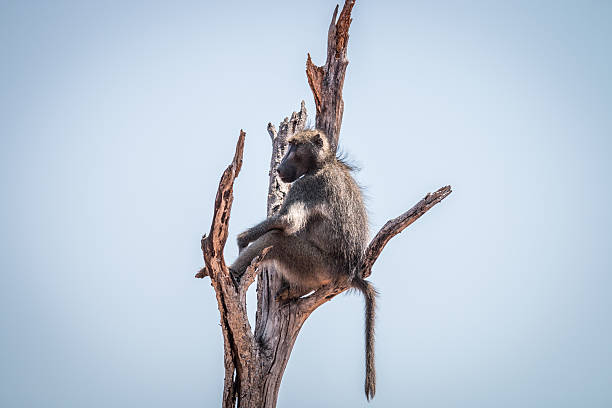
{"points": [[255, 361]]}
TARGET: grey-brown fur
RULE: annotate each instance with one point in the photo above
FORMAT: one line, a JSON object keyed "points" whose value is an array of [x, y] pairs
{"points": [[319, 234]]}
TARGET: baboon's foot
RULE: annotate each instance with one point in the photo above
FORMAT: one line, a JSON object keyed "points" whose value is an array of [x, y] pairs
{"points": [[287, 293], [283, 295]]}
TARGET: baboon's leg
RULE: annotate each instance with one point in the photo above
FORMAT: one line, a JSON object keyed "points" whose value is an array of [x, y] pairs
{"points": [[246, 256], [301, 264]]}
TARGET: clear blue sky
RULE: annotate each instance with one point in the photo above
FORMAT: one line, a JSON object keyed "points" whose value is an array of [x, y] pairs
{"points": [[119, 117]]}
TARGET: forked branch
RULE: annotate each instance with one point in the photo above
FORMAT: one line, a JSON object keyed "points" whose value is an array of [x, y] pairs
{"points": [[255, 363]]}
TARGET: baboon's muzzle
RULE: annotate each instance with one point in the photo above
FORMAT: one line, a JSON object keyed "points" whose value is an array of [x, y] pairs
{"points": [[287, 173], [287, 169]]}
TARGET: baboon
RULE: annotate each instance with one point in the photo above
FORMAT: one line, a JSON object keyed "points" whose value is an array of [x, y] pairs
{"points": [[320, 232]]}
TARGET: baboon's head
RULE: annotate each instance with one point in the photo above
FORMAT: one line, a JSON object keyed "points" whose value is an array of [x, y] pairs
{"points": [[307, 151]]}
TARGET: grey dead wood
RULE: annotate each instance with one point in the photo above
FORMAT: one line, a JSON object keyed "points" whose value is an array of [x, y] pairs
{"points": [[255, 361]]}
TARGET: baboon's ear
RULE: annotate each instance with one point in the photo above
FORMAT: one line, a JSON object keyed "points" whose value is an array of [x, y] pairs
{"points": [[318, 140]]}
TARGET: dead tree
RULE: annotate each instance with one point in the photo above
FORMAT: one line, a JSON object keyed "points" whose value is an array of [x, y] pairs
{"points": [[255, 361]]}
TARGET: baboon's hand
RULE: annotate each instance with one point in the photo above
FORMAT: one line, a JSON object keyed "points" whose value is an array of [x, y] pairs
{"points": [[242, 240]]}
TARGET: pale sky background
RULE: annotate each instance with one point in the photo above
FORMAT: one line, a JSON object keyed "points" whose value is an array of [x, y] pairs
{"points": [[119, 117]]}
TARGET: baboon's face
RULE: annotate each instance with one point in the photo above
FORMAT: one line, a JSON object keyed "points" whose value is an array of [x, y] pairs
{"points": [[300, 158]]}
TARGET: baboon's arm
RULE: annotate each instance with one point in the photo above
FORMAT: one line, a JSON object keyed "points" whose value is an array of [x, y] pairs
{"points": [[290, 220]]}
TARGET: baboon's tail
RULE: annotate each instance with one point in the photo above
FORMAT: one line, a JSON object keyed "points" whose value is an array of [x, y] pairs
{"points": [[369, 293]]}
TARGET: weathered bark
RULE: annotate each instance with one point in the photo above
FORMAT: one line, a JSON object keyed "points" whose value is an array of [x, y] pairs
{"points": [[255, 362]]}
